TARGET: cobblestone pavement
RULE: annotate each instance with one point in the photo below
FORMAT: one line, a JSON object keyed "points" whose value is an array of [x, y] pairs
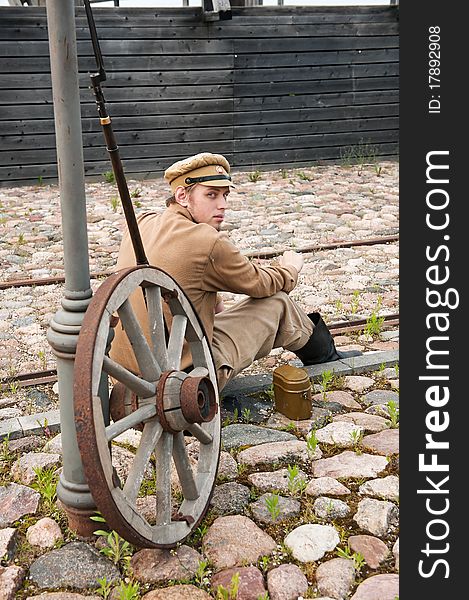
{"points": [[301, 509], [274, 210]]}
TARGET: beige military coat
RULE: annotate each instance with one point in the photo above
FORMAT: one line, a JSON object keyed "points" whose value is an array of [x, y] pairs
{"points": [[203, 261]]}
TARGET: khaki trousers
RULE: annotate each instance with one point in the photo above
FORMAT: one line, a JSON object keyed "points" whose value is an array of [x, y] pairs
{"points": [[252, 328]]}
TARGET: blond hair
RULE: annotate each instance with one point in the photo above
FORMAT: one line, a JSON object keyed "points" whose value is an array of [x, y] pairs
{"points": [[172, 199]]}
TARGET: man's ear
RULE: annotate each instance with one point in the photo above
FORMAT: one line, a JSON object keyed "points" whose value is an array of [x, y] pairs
{"points": [[180, 196]]}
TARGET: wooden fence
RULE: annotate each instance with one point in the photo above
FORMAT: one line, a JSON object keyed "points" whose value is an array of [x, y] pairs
{"points": [[271, 88]]}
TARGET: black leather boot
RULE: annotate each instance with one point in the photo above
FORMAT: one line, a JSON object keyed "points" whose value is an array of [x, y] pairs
{"points": [[320, 347]]}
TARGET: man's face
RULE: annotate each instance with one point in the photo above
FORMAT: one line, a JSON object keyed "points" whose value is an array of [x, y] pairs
{"points": [[207, 204]]}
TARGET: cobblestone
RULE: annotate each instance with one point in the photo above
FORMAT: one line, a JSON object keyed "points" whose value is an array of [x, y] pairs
{"points": [[274, 213], [277, 212]]}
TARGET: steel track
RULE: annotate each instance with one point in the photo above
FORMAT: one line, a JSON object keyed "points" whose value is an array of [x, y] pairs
{"points": [[4, 285], [50, 376]]}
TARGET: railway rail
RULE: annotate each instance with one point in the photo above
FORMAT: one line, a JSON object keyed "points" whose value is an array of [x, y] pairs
{"points": [[50, 375], [4, 285]]}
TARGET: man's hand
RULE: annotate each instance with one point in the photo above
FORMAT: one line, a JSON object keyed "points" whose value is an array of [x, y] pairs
{"points": [[292, 259], [220, 307]]}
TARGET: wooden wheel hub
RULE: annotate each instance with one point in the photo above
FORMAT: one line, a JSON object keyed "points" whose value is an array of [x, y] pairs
{"points": [[198, 400], [182, 401]]}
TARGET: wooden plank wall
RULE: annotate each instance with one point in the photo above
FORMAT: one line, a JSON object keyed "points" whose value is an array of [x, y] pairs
{"points": [[273, 87]]}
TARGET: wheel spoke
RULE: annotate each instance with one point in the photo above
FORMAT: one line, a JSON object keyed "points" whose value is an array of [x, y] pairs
{"points": [[130, 421], [149, 367], [183, 468], [200, 434], [150, 436], [142, 388], [199, 372], [176, 341], [156, 325], [163, 452]]}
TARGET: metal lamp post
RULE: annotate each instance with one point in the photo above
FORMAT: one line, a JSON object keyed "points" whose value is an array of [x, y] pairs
{"points": [[72, 491]]}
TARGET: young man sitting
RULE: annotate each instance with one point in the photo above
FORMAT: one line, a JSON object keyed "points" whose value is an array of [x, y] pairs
{"points": [[185, 241]]}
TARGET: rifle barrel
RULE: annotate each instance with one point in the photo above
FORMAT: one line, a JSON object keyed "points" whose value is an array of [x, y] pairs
{"points": [[111, 144]]}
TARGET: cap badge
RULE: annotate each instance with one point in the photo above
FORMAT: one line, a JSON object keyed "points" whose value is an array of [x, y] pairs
{"points": [[219, 169]]}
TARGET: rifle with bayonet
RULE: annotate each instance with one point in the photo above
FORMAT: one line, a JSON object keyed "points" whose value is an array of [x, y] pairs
{"points": [[111, 144]]}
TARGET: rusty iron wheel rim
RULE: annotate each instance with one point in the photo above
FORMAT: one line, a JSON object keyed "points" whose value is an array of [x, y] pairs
{"points": [[174, 522]]}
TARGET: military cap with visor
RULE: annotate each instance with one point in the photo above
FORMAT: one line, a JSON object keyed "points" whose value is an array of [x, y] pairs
{"points": [[208, 169]]}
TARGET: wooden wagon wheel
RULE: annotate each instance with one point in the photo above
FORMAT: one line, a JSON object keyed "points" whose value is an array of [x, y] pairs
{"points": [[163, 401]]}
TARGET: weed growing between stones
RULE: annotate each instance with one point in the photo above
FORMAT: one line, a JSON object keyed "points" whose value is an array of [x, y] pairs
{"points": [[309, 570], [114, 201], [24, 552], [380, 369], [338, 382], [269, 393], [113, 546], [356, 437], [381, 384], [311, 442], [360, 155], [230, 593], [42, 359], [202, 574], [392, 468], [6, 460], [254, 176], [242, 469], [12, 386], [109, 177], [105, 587], [128, 590], [355, 302], [246, 415], [235, 416], [147, 487], [255, 494], [272, 506], [46, 484], [393, 410], [263, 564], [304, 176], [44, 425], [296, 483], [326, 380], [374, 325], [356, 557], [197, 536]]}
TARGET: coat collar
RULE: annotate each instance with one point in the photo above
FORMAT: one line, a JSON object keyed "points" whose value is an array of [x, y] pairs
{"points": [[180, 210]]}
